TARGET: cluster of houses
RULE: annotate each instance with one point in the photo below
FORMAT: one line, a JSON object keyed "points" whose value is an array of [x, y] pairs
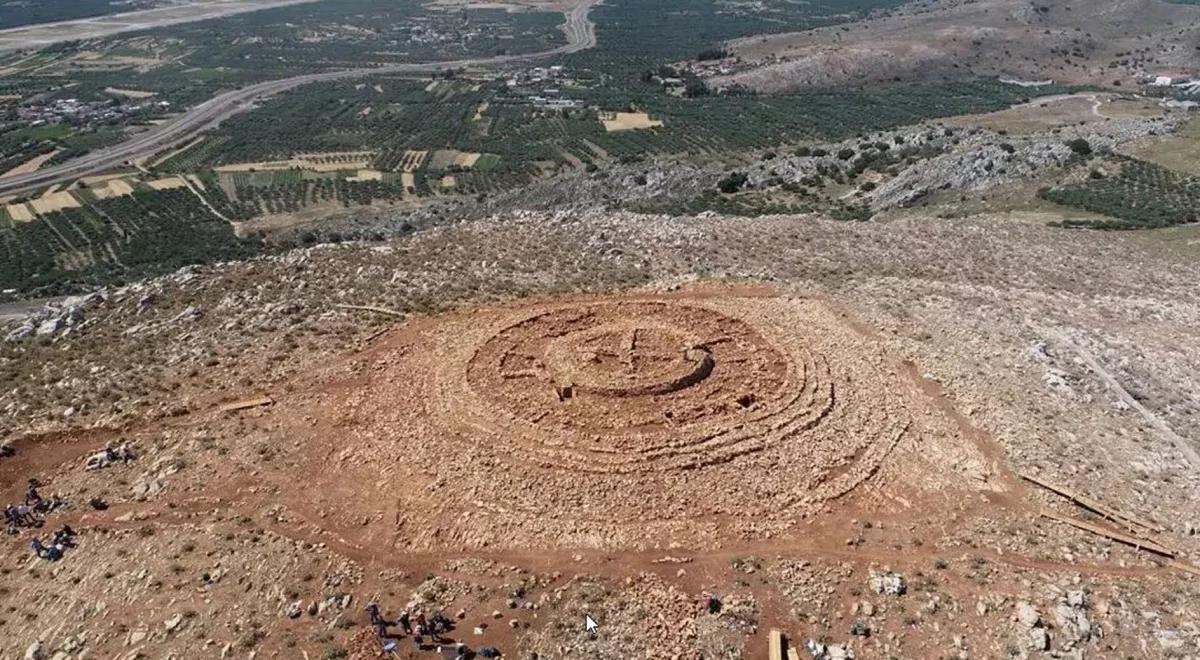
{"points": [[711, 67], [1176, 87], [545, 83], [76, 112], [1184, 84], [441, 29], [537, 76]]}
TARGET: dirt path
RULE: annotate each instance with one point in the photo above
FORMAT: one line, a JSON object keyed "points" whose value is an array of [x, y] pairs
{"points": [[203, 199]]}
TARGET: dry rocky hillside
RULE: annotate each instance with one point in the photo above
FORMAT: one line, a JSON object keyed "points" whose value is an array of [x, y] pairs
{"points": [[550, 423], [526, 419], [1109, 43]]}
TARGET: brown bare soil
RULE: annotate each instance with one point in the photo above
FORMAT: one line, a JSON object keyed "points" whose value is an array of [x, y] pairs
{"points": [[627, 121], [563, 421], [31, 165], [792, 448]]}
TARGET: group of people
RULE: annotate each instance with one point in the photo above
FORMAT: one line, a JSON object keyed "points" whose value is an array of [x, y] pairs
{"points": [[29, 512], [64, 538], [420, 627], [19, 515], [110, 455]]}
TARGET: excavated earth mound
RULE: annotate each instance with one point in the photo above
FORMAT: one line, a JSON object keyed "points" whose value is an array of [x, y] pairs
{"points": [[611, 422]]}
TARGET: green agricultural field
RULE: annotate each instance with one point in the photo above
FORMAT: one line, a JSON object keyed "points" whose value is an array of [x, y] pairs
{"points": [[1140, 195], [405, 117], [114, 240], [487, 163], [45, 132]]}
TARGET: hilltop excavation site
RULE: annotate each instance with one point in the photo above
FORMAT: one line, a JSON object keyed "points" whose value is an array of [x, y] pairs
{"points": [[848, 452], [917, 378]]}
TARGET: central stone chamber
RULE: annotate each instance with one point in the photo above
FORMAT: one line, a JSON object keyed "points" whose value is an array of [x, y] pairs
{"points": [[627, 359]]}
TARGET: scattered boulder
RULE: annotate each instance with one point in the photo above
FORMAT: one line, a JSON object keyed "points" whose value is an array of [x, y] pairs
{"points": [[1071, 615], [822, 651], [1027, 615], [173, 623], [1170, 641], [1037, 639], [1033, 633], [890, 584], [55, 317]]}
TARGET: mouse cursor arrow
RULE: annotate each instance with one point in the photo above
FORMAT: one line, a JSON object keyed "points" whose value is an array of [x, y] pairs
{"points": [[589, 624]]}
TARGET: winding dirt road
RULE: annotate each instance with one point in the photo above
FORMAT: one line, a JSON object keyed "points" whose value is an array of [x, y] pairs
{"points": [[579, 30]]}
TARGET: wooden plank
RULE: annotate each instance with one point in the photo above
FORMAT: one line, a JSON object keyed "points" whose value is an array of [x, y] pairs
{"points": [[374, 335], [1139, 543], [247, 403], [372, 308], [776, 645], [793, 652], [1093, 505]]}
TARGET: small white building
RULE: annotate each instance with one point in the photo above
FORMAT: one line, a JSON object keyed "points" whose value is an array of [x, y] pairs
{"points": [[1190, 106], [1162, 81]]}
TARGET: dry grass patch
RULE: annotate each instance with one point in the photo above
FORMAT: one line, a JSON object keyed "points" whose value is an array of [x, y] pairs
{"points": [[19, 213], [331, 161], [1036, 116], [466, 160], [1126, 108], [366, 175], [260, 166], [169, 183], [335, 160], [54, 202], [444, 158], [31, 165], [627, 121], [114, 188]]}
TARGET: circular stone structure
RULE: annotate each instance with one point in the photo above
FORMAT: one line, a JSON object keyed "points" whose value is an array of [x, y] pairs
{"points": [[623, 420], [641, 386]]}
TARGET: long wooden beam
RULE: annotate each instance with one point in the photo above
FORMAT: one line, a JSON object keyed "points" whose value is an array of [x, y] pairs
{"points": [[1139, 543], [247, 403], [1094, 506]]}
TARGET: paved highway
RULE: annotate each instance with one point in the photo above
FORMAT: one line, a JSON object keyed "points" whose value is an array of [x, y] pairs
{"points": [[578, 27]]}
